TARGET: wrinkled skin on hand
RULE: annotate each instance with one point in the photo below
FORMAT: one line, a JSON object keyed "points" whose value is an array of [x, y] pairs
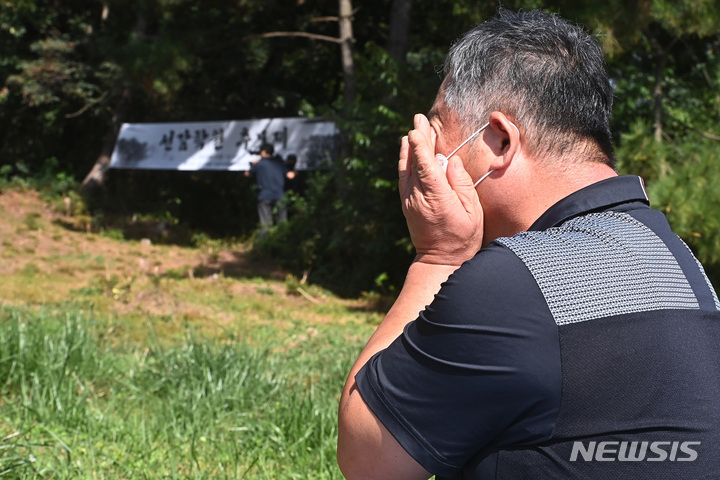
{"points": [[443, 211]]}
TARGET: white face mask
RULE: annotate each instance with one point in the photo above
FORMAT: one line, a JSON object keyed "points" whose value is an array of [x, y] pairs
{"points": [[443, 160]]}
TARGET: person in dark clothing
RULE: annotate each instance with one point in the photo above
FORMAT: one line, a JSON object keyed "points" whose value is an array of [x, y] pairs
{"points": [[270, 172], [552, 325]]}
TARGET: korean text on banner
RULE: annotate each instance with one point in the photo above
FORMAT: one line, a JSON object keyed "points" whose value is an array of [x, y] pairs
{"points": [[229, 145]]}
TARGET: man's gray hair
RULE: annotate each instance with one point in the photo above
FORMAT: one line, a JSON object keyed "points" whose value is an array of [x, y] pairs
{"points": [[542, 72]]}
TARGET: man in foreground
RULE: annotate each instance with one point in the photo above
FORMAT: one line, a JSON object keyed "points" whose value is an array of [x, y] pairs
{"points": [[551, 325]]}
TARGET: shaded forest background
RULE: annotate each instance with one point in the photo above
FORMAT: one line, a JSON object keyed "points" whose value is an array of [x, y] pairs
{"points": [[71, 71]]}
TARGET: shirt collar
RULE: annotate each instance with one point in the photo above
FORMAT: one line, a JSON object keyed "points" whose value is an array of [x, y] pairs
{"points": [[599, 196]]}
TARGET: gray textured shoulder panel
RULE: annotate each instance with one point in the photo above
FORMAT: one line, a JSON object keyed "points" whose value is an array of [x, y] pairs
{"points": [[600, 265]]}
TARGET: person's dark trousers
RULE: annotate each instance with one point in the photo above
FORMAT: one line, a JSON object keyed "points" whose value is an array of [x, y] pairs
{"points": [[269, 210]]}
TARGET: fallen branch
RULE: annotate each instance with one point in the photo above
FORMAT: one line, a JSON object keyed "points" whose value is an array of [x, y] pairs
{"points": [[307, 295]]}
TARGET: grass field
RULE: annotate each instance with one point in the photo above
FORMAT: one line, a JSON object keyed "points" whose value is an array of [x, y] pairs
{"points": [[134, 360]]}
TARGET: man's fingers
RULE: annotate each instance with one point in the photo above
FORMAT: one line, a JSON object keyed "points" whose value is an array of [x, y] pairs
{"points": [[404, 165], [422, 145], [429, 172], [462, 183]]}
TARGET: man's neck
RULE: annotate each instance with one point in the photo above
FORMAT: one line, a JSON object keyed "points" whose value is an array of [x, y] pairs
{"points": [[543, 189]]}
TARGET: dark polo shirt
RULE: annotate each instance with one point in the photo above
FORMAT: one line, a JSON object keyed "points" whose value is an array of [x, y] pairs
{"points": [[587, 347]]}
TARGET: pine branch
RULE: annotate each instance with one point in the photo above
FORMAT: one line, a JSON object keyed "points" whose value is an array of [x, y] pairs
{"points": [[312, 36], [86, 107]]}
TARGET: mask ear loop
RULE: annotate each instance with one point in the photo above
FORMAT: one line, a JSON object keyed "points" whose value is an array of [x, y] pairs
{"points": [[491, 171], [482, 178], [443, 160], [477, 132]]}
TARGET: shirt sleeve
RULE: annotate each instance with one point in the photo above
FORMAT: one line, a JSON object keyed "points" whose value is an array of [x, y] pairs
{"points": [[479, 369]]}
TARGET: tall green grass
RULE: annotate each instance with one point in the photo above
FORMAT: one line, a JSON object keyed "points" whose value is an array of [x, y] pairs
{"points": [[76, 404]]}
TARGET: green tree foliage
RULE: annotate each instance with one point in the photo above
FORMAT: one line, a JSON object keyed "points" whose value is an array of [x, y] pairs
{"points": [[667, 117], [44, 80], [71, 70]]}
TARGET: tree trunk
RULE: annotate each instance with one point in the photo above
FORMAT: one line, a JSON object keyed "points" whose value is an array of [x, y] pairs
{"points": [[96, 178], [399, 29], [660, 62], [658, 98], [346, 46]]}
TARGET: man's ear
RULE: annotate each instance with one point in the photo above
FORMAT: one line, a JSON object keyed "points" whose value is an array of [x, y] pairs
{"points": [[504, 140]]}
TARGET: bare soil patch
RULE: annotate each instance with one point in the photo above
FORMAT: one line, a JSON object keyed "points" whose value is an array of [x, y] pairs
{"points": [[35, 239]]}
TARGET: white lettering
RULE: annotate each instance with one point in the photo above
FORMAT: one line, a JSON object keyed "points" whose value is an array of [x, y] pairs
{"points": [[605, 448], [631, 456], [587, 454], [692, 454], [656, 447], [634, 451]]}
